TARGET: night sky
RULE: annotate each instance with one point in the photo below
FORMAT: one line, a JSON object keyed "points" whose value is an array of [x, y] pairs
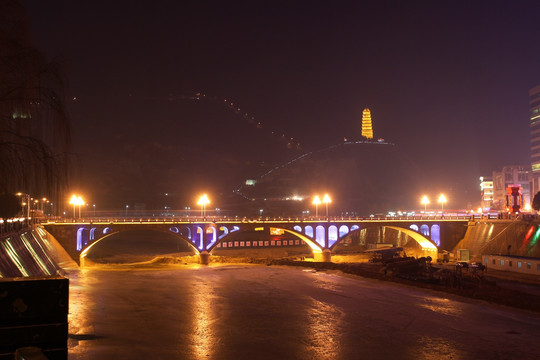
{"points": [[447, 81]]}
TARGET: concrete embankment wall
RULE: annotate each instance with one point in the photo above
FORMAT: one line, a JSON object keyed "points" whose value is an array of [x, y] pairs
{"points": [[34, 297], [507, 237], [31, 252]]}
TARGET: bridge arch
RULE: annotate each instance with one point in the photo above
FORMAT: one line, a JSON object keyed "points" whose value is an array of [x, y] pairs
{"points": [[320, 235], [332, 235], [426, 244], [315, 247], [343, 231], [436, 234], [308, 230], [85, 250], [225, 231]]}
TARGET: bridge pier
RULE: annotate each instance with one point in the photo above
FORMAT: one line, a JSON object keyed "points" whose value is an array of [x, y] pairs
{"points": [[326, 255], [205, 257]]}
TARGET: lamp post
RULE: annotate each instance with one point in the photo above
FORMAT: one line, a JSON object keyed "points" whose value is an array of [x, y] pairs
{"points": [[94, 206], [127, 207], [73, 201], [425, 202], [76, 200], [442, 200], [326, 199], [203, 201], [316, 202], [80, 202], [25, 202]]}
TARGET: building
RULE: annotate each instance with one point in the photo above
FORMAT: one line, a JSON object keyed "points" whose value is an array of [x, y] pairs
{"points": [[526, 265], [534, 121], [515, 175], [367, 127], [486, 192]]}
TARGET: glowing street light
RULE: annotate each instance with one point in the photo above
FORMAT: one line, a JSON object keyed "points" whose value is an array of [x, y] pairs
{"points": [[326, 200], [425, 202], [203, 201], [316, 202], [442, 200], [73, 201], [76, 200], [80, 202], [25, 202], [127, 207]]}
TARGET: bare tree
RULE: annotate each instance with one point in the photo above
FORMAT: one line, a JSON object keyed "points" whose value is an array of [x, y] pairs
{"points": [[34, 128]]}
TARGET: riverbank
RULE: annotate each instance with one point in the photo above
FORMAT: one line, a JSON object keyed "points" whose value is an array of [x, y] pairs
{"points": [[496, 287]]}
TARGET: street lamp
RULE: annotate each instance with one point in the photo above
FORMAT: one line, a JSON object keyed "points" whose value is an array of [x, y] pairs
{"points": [[76, 200], [25, 202], [425, 202], [127, 207], [80, 202], [316, 202], [203, 201], [442, 200], [73, 201], [94, 206], [326, 200]]}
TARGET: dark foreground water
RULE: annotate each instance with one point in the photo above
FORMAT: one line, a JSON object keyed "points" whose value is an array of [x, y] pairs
{"points": [[263, 312]]}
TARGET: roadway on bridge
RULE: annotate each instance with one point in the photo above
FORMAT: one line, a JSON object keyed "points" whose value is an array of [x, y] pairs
{"points": [[262, 312]]}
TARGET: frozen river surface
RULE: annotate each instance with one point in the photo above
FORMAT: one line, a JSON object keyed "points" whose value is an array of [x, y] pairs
{"points": [[262, 312]]}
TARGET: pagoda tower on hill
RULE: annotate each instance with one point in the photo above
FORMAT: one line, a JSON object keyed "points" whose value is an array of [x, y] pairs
{"points": [[367, 128]]}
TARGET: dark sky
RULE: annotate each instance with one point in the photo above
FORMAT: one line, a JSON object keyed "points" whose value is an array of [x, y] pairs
{"points": [[447, 81]]}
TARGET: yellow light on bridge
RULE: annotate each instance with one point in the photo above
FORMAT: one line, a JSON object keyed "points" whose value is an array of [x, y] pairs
{"points": [[425, 202], [76, 201], [326, 200], [316, 202], [442, 200], [203, 201], [276, 231]]}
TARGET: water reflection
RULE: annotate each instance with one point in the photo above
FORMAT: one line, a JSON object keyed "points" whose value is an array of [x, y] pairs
{"points": [[441, 306], [203, 335], [435, 348], [324, 330], [81, 311]]}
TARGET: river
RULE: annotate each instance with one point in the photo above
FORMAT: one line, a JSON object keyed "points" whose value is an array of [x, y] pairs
{"points": [[271, 312]]}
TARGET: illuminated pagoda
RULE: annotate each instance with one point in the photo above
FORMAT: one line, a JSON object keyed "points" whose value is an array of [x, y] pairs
{"points": [[367, 128]]}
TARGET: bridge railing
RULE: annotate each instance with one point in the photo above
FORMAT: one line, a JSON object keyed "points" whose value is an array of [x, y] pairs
{"points": [[199, 219]]}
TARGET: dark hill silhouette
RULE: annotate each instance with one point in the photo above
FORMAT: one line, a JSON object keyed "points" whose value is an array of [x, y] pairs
{"points": [[362, 178]]}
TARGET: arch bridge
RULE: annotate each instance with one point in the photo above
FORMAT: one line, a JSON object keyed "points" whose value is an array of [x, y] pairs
{"points": [[204, 235]]}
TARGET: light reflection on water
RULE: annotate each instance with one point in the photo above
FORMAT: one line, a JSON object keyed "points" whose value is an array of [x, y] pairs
{"points": [[436, 348], [81, 310], [324, 330], [203, 335], [442, 306]]}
